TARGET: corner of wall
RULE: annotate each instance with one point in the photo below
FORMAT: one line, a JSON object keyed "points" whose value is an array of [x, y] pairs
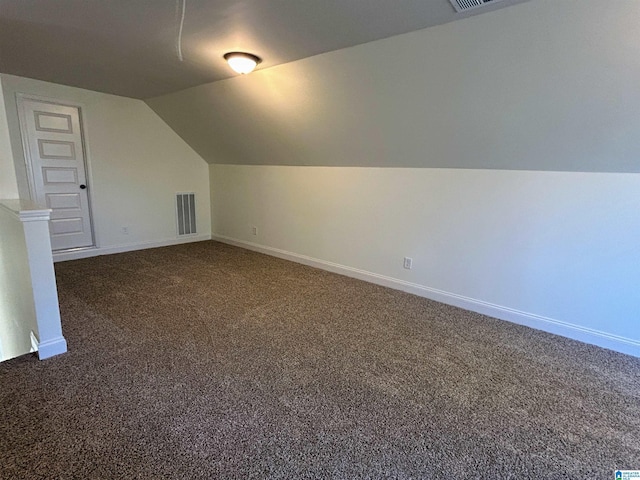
{"points": [[8, 178]]}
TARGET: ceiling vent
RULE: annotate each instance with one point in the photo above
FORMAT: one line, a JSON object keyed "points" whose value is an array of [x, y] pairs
{"points": [[464, 5]]}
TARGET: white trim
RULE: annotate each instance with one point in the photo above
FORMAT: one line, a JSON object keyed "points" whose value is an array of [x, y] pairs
{"points": [[35, 216], [26, 210], [576, 332], [52, 347], [34, 342], [75, 254]]}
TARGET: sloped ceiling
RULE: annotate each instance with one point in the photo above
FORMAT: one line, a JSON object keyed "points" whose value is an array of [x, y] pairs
{"points": [[545, 85], [128, 47]]}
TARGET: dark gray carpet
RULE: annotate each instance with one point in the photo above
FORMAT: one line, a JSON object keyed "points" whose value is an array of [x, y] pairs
{"points": [[209, 361]]}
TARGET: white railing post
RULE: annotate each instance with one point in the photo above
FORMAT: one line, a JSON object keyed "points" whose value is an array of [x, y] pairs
{"points": [[39, 263]]}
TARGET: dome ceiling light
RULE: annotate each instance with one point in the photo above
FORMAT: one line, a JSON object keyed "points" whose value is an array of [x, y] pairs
{"points": [[242, 62]]}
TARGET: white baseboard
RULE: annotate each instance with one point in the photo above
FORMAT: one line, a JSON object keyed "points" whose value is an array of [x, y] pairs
{"points": [[52, 347], [550, 325], [129, 247]]}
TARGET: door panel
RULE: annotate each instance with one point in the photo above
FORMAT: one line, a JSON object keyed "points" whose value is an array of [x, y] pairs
{"points": [[56, 150], [52, 137], [53, 122], [63, 200], [64, 226]]}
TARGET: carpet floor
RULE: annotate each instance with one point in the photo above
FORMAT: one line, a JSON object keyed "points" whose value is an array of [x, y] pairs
{"points": [[206, 361]]}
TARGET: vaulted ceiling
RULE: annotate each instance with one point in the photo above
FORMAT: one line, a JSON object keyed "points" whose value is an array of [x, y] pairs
{"points": [[130, 47]]}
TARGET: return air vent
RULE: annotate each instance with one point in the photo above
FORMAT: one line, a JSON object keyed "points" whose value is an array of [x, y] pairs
{"points": [[186, 213], [464, 5]]}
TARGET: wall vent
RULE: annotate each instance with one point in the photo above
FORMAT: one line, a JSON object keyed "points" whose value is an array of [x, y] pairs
{"points": [[186, 213], [464, 5]]}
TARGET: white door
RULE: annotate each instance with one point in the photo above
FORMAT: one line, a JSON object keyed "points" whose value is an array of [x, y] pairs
{"points": [[52, 138]]}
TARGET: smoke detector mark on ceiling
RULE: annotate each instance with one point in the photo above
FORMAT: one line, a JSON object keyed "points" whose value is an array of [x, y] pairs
{"points": [[464, 5]]}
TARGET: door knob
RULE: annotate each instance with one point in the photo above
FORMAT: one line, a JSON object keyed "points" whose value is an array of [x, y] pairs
{"points": [[83, 186]]}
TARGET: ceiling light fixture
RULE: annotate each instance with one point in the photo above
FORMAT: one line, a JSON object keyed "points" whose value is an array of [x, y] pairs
{"points": [[242, 62]]}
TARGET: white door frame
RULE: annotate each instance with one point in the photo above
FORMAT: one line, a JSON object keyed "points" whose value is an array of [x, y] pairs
{"points": [[20, 98]]}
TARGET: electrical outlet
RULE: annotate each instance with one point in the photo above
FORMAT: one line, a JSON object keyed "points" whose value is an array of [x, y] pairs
{"points": [[125, 230], [408, 263], [254, 230]]}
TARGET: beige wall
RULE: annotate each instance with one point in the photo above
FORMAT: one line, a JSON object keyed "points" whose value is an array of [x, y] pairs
{"points": [[554, 250], [136, 165]]}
